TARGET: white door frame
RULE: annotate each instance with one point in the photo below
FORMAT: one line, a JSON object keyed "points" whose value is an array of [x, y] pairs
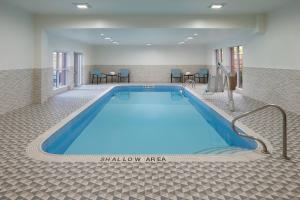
{"points": [[78, 69]]}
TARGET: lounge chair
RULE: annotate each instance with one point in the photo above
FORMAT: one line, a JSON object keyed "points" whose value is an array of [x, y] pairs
{"points": [[124, 74], [96, 73], [202, 74], [176, 74]]}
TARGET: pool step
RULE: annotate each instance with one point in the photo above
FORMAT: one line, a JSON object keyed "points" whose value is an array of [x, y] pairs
{"points": [[220, 150]]}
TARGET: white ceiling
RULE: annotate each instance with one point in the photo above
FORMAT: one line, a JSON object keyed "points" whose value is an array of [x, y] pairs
{"points": [[155, 36], [148, 6]]}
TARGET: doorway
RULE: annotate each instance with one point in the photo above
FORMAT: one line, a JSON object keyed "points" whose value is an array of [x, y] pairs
{"points": [[237, 63], [78, 69]]}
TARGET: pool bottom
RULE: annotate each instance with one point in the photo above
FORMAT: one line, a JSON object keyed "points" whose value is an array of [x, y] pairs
{"points": [[146, 122]]}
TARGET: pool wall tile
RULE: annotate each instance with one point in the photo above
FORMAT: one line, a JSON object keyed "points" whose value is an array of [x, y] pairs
{"points": [[22, 87], [276, 86], [16, 88]]}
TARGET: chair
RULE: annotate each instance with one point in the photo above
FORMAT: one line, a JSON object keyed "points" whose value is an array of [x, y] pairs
{"points": [[124, 73], [202, 74], [176, 74], [96, 73]]}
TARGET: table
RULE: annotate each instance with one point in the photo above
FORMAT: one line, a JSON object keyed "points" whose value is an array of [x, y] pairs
{"points": [[112, 77], [188, 76]]}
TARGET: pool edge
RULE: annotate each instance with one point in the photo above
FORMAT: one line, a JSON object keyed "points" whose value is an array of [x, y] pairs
{"points": [[35, 151]]}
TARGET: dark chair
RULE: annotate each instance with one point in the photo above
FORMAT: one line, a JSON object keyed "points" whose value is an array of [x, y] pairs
{"points": [[202, 74], [96, 73], [124, 74], [176, 74]]}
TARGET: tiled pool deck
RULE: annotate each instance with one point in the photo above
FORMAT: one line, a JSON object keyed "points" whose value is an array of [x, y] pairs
{"points": [[24, 178]]}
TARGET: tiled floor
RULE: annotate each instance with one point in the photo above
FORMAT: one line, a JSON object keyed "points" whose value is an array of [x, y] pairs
{"points": [[25, 178]]}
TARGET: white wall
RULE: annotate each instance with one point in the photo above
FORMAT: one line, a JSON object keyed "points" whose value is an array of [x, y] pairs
{"points": [[16, 38], [277, 48], [147, 21], [243, 41], [272, 68], [61, 44], [153, 55]]}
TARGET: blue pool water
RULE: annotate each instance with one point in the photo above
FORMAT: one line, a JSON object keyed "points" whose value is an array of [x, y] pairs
{"points": [[138, 120]]}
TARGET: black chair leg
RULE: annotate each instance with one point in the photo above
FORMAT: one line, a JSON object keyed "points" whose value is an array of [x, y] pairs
{"points": [[93, 78]]}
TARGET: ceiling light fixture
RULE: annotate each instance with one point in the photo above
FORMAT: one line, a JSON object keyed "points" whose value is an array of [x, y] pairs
{"points": [[189, 38], [82, 6], [148, 44], [107, 38], [216, 6], [195, 34], [102, 34], [181, 43]]}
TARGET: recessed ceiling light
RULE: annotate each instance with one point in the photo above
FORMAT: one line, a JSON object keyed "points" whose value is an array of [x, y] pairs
{"points": [[148, 44], [82, 6], [102, 34], [107, 38], [116, 43], [216, 6], [189, 38], [181, 43], [195, 34]]}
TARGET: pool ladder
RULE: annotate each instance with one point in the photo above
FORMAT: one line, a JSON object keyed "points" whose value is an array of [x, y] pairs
{"points": [[264, 146]]}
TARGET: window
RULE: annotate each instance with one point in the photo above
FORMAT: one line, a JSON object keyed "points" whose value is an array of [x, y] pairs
{"points": [[219, 55], [59, 77], [237, 63]]}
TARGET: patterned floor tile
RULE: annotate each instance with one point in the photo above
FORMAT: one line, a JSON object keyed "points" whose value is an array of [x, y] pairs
{"points": [[24, 178]]}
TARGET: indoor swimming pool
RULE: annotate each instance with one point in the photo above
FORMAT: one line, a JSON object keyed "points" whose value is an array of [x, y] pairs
{"points": [[141, 120]]}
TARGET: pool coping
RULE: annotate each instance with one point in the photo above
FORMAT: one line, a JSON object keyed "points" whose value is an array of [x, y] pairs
{"points": [[35, 151]]}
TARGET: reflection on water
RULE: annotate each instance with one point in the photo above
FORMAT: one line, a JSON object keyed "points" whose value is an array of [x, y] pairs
{"points": [[123, 95], [176, 96]]}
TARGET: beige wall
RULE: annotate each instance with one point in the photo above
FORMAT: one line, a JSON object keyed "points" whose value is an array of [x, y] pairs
{"points": [[152, 55], [149, 73], [149, 64]]}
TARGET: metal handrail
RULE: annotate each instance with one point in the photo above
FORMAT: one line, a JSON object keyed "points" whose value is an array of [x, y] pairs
{"points": [[226, 83], [284, 129], [222, 67]]}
